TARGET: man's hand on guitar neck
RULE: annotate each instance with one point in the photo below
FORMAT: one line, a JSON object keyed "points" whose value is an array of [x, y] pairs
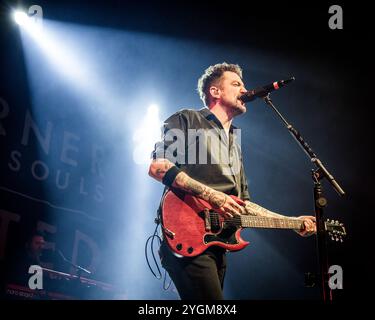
{"points": [[307, 222], [309, 226], [218, 200]]}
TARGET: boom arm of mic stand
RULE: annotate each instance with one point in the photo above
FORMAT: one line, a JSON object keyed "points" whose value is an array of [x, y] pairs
{"points": [[323, 172]]}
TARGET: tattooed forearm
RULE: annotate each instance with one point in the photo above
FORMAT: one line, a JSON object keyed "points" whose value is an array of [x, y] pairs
{"points": [[158, 169], [252, 208], [194, 187], [184, 182]]}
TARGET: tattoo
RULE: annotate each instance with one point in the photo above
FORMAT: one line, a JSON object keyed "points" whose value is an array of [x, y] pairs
{"points": [[180, 181], [252, 208], [206, 193], [184, 182], [217, 199], [195, 187]]}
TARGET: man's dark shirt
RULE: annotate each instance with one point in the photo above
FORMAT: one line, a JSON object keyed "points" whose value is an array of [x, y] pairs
{"points": [[204, 151]]}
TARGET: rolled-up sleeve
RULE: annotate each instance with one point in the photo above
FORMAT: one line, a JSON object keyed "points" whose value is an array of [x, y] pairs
{"points": [[172, 145]]}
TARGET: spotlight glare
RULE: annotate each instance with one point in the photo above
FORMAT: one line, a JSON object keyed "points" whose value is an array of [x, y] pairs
{"points": [[153, 110], [20, 17], [147, 133]]}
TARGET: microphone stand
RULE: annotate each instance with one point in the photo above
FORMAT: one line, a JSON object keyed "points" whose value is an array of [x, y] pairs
{"points": [[320, 201]]}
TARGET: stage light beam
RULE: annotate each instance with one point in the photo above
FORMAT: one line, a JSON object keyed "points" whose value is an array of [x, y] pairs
{"points": [[147, 134]]}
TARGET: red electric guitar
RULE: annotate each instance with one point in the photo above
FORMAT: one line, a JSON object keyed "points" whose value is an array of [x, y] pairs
{"points": [[190, 225]]}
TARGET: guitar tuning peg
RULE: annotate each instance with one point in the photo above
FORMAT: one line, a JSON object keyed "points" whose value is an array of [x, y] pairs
{"points": [[337, 222]]}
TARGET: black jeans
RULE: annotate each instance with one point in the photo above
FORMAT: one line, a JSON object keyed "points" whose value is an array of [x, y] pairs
{"points": [[200, 277]]}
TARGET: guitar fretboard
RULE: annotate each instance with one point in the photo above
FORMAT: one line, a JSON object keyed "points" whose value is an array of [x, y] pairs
{"points": [[247, 221]]}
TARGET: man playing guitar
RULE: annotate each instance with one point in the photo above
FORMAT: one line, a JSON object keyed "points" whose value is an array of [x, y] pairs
{"points": [[213, 179]]}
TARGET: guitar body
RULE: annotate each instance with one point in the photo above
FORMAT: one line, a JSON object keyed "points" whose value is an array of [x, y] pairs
{"points": [[190, 226]]}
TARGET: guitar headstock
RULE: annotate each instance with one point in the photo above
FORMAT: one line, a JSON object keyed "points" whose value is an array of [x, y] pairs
{"points": [[335, 229]]}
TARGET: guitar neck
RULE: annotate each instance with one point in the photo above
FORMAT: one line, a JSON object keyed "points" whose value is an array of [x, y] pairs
{"points": [[248, 221]]}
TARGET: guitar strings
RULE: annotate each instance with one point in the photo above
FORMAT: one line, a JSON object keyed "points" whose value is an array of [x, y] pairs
{"points": [[237, 221]]}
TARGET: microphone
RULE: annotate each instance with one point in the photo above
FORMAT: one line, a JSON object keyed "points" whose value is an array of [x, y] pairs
{"points": [[261, 92]]}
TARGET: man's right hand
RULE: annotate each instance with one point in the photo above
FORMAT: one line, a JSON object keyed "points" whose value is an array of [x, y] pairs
{"points": [[225, 204], [220, 201]]}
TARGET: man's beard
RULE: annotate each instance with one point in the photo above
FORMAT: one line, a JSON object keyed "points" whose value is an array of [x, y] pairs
{"points": [[239, 109]]}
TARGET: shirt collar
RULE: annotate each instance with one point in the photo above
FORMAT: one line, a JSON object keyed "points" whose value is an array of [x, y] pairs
{"points": [[211, 117]]}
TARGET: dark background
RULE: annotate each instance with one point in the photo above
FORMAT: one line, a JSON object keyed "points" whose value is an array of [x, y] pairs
{"points": [[329, 103]]}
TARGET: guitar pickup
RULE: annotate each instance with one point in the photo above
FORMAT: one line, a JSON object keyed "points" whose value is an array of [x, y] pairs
{"points": [[207, 219]]}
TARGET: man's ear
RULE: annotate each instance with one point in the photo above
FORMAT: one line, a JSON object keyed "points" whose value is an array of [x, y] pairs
{"points": [[214, 91]]}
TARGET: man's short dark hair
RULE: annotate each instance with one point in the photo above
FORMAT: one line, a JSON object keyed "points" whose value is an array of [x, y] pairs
{"points": [[211, 75]]}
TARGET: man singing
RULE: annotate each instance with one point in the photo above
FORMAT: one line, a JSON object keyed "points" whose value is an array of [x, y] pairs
{"points": [[213, 180]]}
